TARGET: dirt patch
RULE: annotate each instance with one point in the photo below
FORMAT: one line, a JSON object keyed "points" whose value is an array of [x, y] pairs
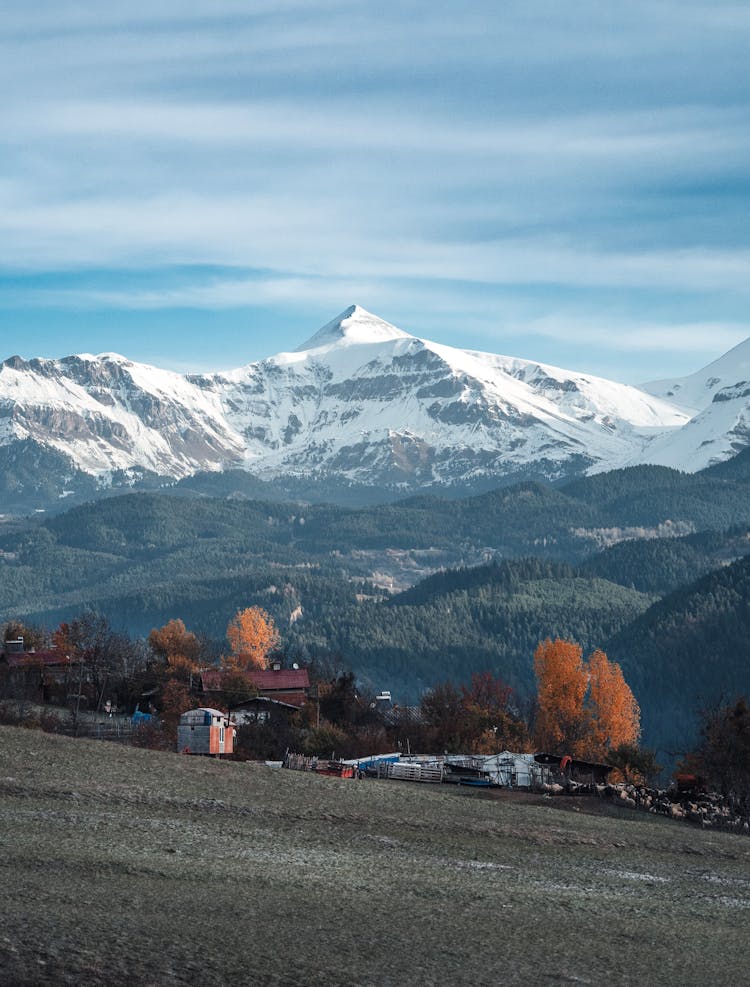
{"points": [[126, 866]]}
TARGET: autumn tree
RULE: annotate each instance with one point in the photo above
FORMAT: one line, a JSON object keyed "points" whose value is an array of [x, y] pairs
{"points": [[562, 680], [477, 718], [637, 765], [174, 639], [178, 647], [175, 700], [615, 717], [584, 708], [443, 714], [105, 658], [252, 635]]}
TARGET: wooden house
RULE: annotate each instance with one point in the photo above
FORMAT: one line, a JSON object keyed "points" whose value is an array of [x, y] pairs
{"points": [[205, 731]]}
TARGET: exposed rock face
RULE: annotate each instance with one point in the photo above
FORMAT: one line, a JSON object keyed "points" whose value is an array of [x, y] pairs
{"points": [[361, 402]]}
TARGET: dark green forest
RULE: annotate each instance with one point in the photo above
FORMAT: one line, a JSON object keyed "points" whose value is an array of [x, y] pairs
{"points": [[514, 566]]}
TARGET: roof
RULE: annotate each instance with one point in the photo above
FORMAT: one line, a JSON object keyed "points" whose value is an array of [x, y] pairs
{"points": [[264, 701], [33, 659], [267, 679]]}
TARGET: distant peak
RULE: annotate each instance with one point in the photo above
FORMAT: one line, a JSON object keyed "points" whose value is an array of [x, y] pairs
{"points": [[353, 325]]}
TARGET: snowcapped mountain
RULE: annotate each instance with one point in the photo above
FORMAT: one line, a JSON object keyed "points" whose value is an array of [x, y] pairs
{"points": [[718, 400], [367, 401], [109, 414], [360, 402]]}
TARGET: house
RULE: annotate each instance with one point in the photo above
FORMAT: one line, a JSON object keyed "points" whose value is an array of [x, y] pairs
{"points": [[287, 685], [205, 731], [261, 709], [40, 676]]}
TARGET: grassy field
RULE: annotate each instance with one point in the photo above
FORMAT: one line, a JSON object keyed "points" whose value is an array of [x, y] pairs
{"points": [[126, 866]]}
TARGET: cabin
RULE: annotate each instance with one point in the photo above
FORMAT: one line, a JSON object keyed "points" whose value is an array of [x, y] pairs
{"points": [[205, 731], [287, 685]]}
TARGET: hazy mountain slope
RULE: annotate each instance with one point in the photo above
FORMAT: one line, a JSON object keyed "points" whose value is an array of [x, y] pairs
{"points": [[645, 496], [662, 565], [462, 621]]}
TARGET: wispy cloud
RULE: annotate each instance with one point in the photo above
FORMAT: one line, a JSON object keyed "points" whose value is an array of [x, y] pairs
{"points": [[435, 159]]}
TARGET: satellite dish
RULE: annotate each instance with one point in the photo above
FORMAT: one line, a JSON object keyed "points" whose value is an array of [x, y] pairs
{"points": [[295, 666]]}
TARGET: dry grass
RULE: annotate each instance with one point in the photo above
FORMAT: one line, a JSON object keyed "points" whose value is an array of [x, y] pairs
{"points": [[127, 866]]}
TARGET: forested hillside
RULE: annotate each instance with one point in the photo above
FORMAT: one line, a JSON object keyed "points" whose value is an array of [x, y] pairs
{"points": [[486, 618], [328, 575], [661, 565], [688, 651]]}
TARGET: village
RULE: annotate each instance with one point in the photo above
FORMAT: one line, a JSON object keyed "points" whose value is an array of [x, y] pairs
{"points": [[255, 706]]}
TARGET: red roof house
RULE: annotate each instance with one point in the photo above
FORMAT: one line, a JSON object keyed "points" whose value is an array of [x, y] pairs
{"points": [[289, 685]]}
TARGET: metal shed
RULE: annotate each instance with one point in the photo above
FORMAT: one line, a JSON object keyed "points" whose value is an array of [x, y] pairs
{"points": [[205, 731]]}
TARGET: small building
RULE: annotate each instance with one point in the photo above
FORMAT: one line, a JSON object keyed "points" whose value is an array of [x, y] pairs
{"points": [[40, 676], [261, 709], [574, 769], [507, 769], [205, 731], [288, 685]]}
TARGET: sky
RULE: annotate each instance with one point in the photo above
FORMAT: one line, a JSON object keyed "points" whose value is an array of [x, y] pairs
{"points": [[201, 185]]}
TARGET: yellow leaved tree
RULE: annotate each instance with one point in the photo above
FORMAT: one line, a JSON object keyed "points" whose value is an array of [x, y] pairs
{"points": [[583, 708], [252, 636]]}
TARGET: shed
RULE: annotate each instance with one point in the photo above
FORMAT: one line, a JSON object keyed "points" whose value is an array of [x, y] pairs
{"points": [[506, 769], [205, 731], [584, 772]]}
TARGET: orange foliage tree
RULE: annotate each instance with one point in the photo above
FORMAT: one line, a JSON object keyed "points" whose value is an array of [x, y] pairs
{"points": [[562, 680], [179, 648], [615, 714], [175, 700], [583, 708], [252, 635]]}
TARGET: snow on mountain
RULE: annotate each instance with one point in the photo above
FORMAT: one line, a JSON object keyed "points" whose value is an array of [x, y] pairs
{"points": [[107, 413], [353, 326], [696, 392], [365, 402], [718, 397]]}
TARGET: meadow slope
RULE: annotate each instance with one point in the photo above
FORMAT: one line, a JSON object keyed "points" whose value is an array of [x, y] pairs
{"points": [[126, 866]]}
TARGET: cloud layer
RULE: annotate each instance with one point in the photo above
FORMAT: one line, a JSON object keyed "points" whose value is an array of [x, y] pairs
{"points": [[565, 183]]}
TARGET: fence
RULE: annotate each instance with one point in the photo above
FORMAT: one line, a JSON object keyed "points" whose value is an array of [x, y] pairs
{"points": [[411, 771]]}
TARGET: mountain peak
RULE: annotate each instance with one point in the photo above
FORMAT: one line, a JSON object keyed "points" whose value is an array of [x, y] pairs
{"points": [[354, 325]]}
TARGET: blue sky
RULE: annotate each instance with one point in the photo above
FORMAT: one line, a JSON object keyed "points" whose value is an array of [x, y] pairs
{"points": [[201, 185]]}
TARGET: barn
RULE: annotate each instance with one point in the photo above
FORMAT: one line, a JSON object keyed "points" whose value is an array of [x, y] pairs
{"points": [[205, 731]]}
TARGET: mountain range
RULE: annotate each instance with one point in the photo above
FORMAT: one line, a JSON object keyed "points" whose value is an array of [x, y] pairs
{"points": [[360, 404]]}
